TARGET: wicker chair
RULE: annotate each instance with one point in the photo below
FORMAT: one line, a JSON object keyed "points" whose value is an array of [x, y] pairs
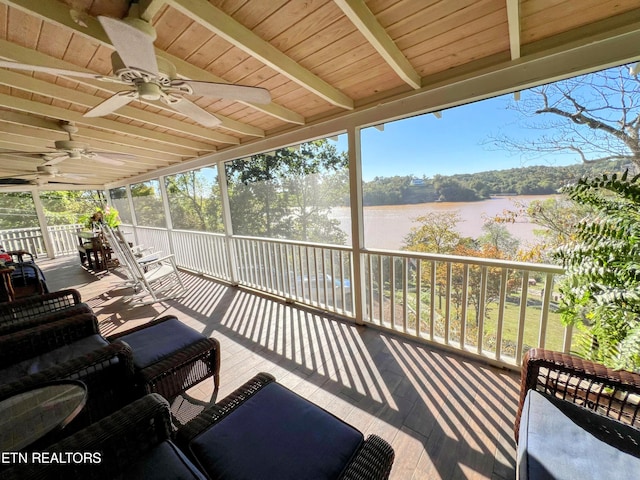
{"points": [[107, 370], [168, 357], [263, 430], [134, 442], [576, 418], [39, 309]]}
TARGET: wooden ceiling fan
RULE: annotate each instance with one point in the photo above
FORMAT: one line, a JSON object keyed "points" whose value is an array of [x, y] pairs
{"points": [[151, 78]]}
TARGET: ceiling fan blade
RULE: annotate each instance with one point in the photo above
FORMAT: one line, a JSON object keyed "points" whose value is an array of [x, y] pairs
{"points": [[134, 46], [54, 160], [226, 90], [52, 71], [14, 181], [74, 176], [103, 159], [192, 111], [112, 104], [27, 154]]}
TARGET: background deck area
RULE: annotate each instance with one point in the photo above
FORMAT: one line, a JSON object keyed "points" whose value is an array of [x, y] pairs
{"points": [[446, 416]]}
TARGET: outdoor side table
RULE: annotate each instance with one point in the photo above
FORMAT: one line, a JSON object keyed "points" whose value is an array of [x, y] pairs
{"points": [[31, 415]]}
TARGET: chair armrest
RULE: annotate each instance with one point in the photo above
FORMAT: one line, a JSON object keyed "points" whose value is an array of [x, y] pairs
{"points": [[34, 341], [612, 393], [13, 325], [373, 461], [215, 413], [38, 305], [121, 439]]}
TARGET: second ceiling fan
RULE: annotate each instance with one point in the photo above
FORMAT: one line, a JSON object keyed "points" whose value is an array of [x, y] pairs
{"points": [[152, 78]]}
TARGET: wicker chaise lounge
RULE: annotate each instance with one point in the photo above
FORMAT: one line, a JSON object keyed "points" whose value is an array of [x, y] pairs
{"points": [[577, 419]]}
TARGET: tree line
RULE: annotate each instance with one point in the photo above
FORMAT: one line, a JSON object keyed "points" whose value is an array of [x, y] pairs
{"points": [[471, 187]]}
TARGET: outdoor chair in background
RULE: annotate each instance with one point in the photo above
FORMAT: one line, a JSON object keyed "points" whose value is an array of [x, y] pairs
{"points": [[21, 276], [153, 279]]}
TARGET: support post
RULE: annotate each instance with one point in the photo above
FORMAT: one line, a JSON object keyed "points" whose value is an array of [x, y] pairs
{"points": [[357, 224]]}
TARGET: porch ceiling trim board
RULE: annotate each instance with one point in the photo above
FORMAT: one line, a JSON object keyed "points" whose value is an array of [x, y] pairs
{"points": [[58, 13], [238, 35], [40, 87], [377, 36], [588, 53]]}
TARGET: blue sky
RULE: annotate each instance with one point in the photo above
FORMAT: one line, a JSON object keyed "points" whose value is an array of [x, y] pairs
{"points": [[455, 143]]}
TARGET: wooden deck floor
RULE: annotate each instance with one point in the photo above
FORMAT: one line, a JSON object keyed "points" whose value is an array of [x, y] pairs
{"points": [[447, 417]]}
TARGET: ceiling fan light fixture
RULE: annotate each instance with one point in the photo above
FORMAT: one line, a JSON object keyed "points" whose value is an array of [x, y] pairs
{"points": [[149, 91]]}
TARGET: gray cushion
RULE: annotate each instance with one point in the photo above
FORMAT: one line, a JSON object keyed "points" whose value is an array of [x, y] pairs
{"points": [[561, 440], [164, 462], [54, 357]]}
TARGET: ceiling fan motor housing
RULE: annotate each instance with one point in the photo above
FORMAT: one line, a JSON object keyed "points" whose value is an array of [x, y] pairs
{"points": [[167, 71], [71, 146]]}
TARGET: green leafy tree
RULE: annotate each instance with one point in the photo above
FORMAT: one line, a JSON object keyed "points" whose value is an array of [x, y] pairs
{"points": [[194, 201], [497, 236], [288, 193], [601, 292], [436, 233]]}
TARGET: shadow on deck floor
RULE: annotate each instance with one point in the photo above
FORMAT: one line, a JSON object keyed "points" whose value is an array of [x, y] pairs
{"points": [[446, 416]]}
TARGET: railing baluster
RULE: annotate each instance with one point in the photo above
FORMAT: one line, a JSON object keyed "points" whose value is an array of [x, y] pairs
{"points": [[447, 305], [484, 272], [418, 296], [405, 287], [465, 301], [503, 296], [544, 314], [524, 295]]}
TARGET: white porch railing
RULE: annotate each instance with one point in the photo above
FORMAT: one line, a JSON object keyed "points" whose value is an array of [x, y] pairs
{"points": [[492, 308], [313, 274], [489, 308], [63, 238]]}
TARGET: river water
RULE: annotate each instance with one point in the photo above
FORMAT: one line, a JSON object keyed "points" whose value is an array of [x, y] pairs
{"points": [[386, 226]]}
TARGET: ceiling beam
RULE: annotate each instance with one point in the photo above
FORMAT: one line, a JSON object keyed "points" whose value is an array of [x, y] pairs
{"points": [[366, 22], [58, 13], [513, 19], [241, 37]]}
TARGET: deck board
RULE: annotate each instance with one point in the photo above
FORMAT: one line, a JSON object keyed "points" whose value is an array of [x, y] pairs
{"points": [[447, 416]]}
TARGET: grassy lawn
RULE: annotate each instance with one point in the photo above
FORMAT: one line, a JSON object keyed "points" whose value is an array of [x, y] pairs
{"points": [[554, 333]]}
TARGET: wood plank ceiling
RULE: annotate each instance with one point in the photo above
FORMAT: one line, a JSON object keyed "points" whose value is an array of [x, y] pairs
{"points": [[318, 58]]}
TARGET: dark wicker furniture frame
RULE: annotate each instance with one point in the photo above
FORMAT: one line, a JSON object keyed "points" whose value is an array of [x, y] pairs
{"points": [[373, 461], [122, 438], [173, 375], [612, 393]]}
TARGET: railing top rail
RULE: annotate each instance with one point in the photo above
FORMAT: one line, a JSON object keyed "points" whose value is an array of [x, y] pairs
{"points": [[489, 262], [198, 232], [17, 230], [345, 248]]}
